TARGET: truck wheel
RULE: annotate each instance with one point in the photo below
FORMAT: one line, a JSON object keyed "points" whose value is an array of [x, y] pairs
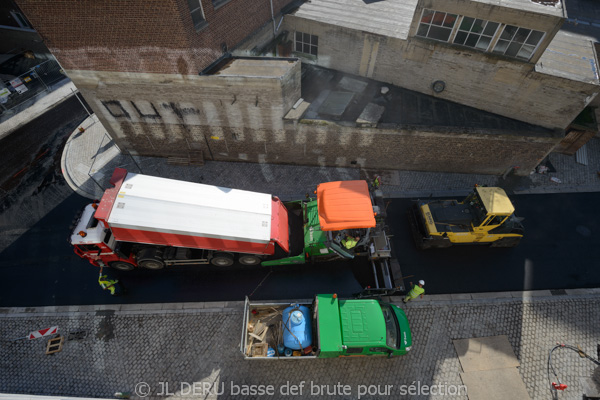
{"points": [[121, 265], [248, 259], [222, 260], [150, 259]]}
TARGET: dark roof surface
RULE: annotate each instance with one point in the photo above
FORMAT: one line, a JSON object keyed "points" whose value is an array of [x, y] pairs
{"points": [[346, 98]]}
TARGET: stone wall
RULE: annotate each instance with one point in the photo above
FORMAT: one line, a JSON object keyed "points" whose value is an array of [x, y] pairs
{"points": [[169, 115], [242, 119]]}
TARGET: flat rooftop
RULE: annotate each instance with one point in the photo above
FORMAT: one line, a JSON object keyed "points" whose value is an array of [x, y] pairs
{"points": [[570, 55], [258, 67], [352, 100], [393, 18], [387, 18]]}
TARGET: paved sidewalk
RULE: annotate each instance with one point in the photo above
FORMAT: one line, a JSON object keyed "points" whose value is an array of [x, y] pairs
{"points": [[34, 107], [90, 157], [185, 343]]}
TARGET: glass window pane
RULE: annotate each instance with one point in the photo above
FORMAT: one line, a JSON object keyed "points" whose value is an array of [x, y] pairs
{"points": [[483, 43], [472, 40], [460, 37], [193, 4], [299, 36], [490, 28], [508, 32], [427, 16], [439, 33], [513, 49], [197, 17], [314, 40], [501, 46], [535, 37], [438, 18], [466, 24], [313, 50], [478, 26], [521, 35], [450, 20], [422, 31], [306, 38], [306, 48], [298, 46], [526, 51]]}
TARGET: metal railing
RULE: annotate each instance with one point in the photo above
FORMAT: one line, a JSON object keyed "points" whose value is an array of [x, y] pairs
{"points": [[35, 81]]}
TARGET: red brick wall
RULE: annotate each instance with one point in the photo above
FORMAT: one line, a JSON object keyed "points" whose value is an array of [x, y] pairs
{"points": [[155, 36]]}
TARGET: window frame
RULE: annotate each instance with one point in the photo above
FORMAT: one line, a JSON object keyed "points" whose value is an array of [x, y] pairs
{"points": [[309, 44], [494, 40], [219, 3], [432, 24], [480, 34], [200, 24], [523, 44], [20, 19]]}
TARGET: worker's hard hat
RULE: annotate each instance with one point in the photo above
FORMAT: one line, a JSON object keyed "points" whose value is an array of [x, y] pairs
{"points": [[422, 282]]}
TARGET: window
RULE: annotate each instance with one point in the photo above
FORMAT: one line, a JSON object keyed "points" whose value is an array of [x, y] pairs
{"points": [[518, 42], [476, 33], [512, 41], [306, 43], [391, 327], [197, 13], [495, 220], [20, 19], [219, 3], [436, 25]]}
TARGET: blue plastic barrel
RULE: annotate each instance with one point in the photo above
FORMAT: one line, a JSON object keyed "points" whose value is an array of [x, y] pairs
{"points": [[297, 331]]}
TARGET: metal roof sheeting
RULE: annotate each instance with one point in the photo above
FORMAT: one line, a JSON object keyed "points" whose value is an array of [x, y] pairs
{"points": [[387, 18], [166, 205]]}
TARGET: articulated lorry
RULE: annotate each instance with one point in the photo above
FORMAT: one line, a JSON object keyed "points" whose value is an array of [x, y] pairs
{"points": [[324, 328], [151, 222], [485, 216]]}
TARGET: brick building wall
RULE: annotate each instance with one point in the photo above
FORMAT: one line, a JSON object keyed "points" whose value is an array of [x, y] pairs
{"points": [[155, 36]]}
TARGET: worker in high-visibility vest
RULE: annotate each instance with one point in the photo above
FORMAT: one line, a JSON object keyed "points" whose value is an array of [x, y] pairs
{"points": [[350, 242], [108, 284], [415, 291]]}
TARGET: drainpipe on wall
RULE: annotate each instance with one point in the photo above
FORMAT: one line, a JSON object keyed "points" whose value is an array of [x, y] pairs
{"points": [[273, 18]]}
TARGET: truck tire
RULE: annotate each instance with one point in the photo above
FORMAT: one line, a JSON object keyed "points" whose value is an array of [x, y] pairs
{"points": [[121, 265], [150, 259], [222, 259], [249, 259]]}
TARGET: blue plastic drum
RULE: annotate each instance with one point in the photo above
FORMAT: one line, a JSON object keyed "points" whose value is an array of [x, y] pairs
{"points": [[297, 330]]}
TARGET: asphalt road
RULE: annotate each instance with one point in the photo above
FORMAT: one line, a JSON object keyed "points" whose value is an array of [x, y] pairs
{"points": [[39, 267], [28, 146], [43, 270], [559, 251]]}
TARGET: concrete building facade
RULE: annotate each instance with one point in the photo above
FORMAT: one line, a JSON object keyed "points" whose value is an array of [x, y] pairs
{"points": [[156, 78], [398, 44]]}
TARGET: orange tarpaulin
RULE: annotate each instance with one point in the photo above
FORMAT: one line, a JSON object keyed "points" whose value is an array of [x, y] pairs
{"points": [[345, 205]]}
